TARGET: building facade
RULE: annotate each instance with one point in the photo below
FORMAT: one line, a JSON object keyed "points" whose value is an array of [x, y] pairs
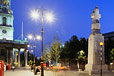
{"points": [[9, 48], [109, 35]]}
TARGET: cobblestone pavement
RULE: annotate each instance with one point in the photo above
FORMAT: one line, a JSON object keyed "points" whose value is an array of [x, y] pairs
{"points": [[24, 72]]}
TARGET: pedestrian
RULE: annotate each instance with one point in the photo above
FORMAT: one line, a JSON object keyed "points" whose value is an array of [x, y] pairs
{"points": [[13, 67], [37, 70], [31, 67]]}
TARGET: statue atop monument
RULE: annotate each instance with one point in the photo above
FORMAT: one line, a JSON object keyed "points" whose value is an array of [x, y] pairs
{"points": [[96, 15], [95, 18]]}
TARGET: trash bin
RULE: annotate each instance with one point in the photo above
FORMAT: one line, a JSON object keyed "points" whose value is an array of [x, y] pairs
{"points": [[9, 66], [1, 68]]}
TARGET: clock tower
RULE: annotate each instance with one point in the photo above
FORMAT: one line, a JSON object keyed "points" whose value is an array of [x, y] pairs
{"points": [[6, 20]]}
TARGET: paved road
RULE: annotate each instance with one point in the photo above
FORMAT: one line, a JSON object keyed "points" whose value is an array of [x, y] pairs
{"points": [[23, 72], [73, 73]]}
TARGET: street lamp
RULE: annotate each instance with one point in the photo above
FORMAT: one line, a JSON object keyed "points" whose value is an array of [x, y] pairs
{"points": [[101, 53], [28, 46], [31, 50], [31, 53], [49, 17], [34, 37], [34, 14]]}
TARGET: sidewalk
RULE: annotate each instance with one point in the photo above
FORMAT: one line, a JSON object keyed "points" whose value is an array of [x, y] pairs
{"points": [[20, 72], [27, 72]]}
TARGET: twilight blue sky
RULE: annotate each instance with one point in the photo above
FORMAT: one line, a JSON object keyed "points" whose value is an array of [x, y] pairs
{"points": [[73, 17]]}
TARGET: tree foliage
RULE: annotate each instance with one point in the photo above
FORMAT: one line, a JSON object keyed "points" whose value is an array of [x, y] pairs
{"points": [[52, 52], [112, 55], [72, 47], [47, 53], [81, 55], [55, 50], [109, 45]]}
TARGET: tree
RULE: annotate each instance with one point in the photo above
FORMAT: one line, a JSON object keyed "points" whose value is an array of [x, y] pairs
{"points": [[71, 48], [84, 46], [55, 51], [81, 55], [81, 59], [109, 45], [52, 52], [65, 51], [48, 54], [69, 53], [112, 55]]}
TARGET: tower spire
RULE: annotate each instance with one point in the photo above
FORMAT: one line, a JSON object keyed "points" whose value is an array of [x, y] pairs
{"points": [[22, 32]]}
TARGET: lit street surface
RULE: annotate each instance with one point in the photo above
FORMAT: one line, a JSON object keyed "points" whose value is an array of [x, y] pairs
{"points": [[24, 72]]}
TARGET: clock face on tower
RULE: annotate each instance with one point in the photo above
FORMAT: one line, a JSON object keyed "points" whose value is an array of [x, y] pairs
{"points": [[4, 31]]}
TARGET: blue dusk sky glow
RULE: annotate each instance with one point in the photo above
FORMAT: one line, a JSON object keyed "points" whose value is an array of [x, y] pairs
{"points": [[72, 17]]}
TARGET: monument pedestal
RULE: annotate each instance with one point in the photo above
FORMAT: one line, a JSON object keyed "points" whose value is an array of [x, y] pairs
{"points": [[93, 68], [94, 56]]}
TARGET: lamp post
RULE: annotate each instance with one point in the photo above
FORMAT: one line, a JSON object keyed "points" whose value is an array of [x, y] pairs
{"points": [[34, 45], [34, 48], [49, 18], [101, 53], [31, 55], [42, 69]]}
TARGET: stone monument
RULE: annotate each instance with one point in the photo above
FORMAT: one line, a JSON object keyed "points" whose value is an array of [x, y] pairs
{"points": [[94, 48]]}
